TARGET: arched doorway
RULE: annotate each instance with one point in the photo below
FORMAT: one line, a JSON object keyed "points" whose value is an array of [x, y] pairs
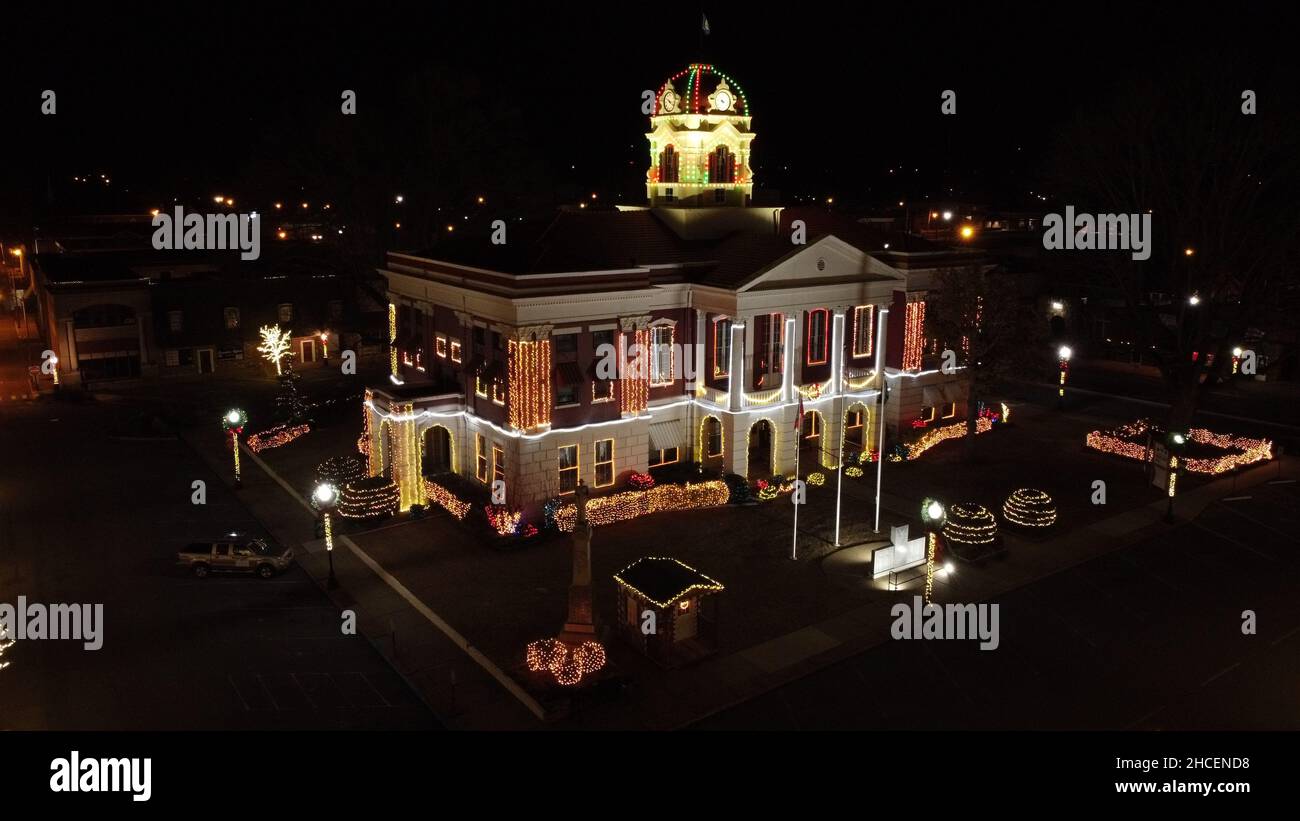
{"points": [[855, 432], [812, 441], [439, 455], [762, 440], [711, 442]]}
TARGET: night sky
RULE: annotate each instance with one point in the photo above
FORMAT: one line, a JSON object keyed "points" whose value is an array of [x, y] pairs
{"points": [[171, 104]]}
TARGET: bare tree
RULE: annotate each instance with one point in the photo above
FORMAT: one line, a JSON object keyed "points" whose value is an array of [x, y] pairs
{"points": [[1219, 186], [980, 313]]}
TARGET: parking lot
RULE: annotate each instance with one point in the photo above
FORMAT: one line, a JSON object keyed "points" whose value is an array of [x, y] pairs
{"points": [[233, 652]]}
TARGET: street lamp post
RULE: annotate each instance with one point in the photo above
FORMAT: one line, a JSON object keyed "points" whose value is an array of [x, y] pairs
{"points": [[1177, 440], [234, 422], [933, 516], [326, 498], [1063, 354], [22, 302]]}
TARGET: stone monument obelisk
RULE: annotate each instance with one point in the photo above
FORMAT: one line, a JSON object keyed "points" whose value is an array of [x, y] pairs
{"points": [[581, 624]]}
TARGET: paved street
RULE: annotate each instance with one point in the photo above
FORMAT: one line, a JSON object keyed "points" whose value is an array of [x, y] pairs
{"points": [[85, 518], [1147, 637]]}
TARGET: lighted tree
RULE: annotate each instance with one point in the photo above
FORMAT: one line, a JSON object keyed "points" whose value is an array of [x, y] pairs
{"points": [[275, 346], [290, 404], [980, 314]]}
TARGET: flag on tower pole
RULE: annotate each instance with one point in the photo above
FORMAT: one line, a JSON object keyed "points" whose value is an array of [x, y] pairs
{"points": [[704, 27]]}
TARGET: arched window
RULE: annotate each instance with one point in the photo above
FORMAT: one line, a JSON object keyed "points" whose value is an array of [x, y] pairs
{"points": [[668, 165], [722, 165]]}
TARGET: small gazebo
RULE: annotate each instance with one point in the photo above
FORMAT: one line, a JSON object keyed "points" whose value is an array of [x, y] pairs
{"points": [[668, 610]]}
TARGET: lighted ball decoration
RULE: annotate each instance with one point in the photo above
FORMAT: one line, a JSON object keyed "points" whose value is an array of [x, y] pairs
{"points": [[1030, 508], [568, 665], [339, 470], [371, 498], [971, 524]]}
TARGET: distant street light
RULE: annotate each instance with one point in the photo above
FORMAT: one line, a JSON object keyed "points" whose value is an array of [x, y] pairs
{"points": [[326, 498], [398, 199], [1194, 300], [234, 422], [1063, 354]]}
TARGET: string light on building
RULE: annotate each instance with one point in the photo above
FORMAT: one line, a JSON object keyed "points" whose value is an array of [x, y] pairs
{"points": [[913, 335], [1028, 507], [392, 341], [234, 422], [970, 523], [528, 376]]}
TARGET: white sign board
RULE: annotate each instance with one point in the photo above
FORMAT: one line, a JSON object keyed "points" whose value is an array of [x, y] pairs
{"points": [[900, 555]]}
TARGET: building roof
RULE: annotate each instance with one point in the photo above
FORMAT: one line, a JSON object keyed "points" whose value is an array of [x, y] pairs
{"points": [[694, 84], [663, 581]]}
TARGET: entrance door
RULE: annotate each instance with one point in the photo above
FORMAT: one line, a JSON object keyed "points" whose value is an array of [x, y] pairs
{"points": [[309, 350], [205, 360], [687, 625], [760, 450]]}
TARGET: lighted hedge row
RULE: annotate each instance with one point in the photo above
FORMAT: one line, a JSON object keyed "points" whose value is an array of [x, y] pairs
{"points": [[605, 510]]}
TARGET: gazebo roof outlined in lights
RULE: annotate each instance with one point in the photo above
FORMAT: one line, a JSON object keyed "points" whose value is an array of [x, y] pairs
{"points": [[678, 601]]}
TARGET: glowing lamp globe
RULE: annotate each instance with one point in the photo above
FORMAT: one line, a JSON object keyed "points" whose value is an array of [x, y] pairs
{"points": [[325, 496], [933, 513], [235, 419], [1065, 353]]}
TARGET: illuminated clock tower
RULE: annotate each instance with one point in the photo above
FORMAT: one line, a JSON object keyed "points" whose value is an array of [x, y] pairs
{"points": [[700, 141]]}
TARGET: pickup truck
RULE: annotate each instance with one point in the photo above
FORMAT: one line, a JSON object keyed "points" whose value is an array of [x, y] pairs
{"points": [[251, 556]]}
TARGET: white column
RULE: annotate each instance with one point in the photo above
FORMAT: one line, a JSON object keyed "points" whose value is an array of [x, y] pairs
{"points": [[788, 362], [736, 379], [837, 352], [700, 362]]}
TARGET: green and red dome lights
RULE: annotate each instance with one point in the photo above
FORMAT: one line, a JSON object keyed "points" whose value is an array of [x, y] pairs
{"points": [[695, 97]]}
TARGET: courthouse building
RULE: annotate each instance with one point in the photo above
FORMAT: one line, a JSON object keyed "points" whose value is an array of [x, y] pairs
{"points": [[495, 348]]}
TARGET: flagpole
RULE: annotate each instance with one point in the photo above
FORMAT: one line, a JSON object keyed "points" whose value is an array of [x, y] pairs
{"points": [[794, 538], [839, 482], [880, 413]]}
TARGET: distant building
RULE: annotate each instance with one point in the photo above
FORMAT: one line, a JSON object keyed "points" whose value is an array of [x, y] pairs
{"points": [[113, 310]]}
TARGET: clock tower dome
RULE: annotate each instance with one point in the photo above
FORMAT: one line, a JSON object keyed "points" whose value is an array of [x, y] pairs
{"points": [[700, 141]]}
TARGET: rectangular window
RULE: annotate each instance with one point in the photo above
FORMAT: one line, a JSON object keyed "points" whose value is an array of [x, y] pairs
{"points": [[568, 468], [854, 419], [232, 318], [480, 457], [927, 414], [440, 346], [864, 321], [455, 350], [565, 347], [604, 462], [498, 391], [950, 410], [771, 343], [172, 357], [668, 195], [480, 387], [566, 395], [662, 457], [715, 439], [285, 312], [498, 464], [175, 320], [602, 390], [480, 334], [719, 195], [721, 346], [661, 356], [815, 342], [336, 309]]}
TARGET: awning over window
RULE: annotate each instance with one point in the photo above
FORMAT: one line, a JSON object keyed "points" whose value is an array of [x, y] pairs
{"points": [[567, 375], [665, 435]]}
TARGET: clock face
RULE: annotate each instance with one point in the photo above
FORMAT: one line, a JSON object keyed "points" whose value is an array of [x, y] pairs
{"points": [[669, 101], [722, 101]]}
